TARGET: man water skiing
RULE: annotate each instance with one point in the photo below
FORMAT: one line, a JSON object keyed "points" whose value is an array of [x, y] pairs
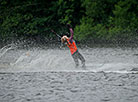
{"points": [[73, 48]]}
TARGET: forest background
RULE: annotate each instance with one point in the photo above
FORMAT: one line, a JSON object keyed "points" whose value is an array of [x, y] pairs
{"points": [[95, 21]]}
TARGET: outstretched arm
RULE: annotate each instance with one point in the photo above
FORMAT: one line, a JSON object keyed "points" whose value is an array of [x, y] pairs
{"points": [[71, 37], [71, 32]]}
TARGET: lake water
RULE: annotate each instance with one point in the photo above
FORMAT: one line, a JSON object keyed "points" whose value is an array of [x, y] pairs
{"points": [[49, 75]]}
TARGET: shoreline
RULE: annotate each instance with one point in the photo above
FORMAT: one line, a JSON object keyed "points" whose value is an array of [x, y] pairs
{"points": [[56, 42]]}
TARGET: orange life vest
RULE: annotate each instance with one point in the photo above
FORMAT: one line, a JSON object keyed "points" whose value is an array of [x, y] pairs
{"points": [[72, 46]]}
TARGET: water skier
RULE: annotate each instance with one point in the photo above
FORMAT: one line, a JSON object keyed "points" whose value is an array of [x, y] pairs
{"points": [[73, 48]]}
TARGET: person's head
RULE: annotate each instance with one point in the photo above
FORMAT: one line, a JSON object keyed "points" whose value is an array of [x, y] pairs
{"points": [[68, 25], [64, 39]]}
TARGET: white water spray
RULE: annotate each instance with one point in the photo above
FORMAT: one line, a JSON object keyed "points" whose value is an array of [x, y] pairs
{"points": [[97, 59], [6, 48]]}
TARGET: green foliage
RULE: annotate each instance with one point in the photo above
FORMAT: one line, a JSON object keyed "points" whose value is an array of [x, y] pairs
{"points": [[70, 11], [30, 18], [108, 20], [91, 19], [125, 14], [87, 31]]}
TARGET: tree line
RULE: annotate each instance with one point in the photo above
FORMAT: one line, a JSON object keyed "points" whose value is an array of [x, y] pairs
{"points": [[92, 20]]}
